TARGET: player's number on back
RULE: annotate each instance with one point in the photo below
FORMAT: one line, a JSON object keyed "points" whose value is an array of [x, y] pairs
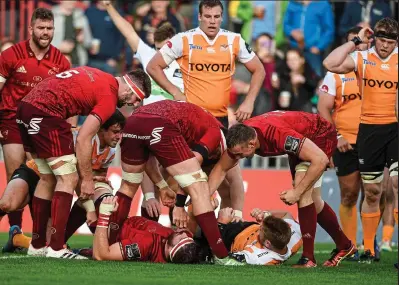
{"points": [[67, 74]]}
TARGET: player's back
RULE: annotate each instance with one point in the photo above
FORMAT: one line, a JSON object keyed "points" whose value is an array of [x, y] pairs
{"points": [[74, 92]]}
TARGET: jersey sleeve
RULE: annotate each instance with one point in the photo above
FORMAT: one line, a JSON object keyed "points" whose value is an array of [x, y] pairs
{"points": [[137, 247], [173, 49], [329, 85], [144, 53], [211, 139], [259, 256], [106, 105], [355, 57], [6, 64], [245, 52], [296, 236], [288, 141]]}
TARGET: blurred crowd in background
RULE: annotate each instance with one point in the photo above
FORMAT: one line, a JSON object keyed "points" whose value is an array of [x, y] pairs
{"points": [[290, 37]]}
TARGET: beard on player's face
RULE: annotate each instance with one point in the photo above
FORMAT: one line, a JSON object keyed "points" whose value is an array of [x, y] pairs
{"points": [[42, 41]]}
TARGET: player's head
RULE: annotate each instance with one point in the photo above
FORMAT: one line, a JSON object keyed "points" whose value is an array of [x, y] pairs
{"points": [[241, 141], [181, 248], [41, 28], [134, 86], [351, 33], [210, 17], [275, 233], [163, 33], [111, 131], [386, 36]]}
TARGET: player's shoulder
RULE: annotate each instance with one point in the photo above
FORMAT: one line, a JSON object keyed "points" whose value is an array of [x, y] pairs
{"points": [[16, 52], [56, 56]]}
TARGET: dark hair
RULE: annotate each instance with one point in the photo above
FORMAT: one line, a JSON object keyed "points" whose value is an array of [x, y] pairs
{"points": [[188, 254], [142, 80], [277, 231], [297, 50], [116, 118], [164, 31], [264, 35], [239, 134], [353, 30], [389, 25], [210, 4], [42, 14]]}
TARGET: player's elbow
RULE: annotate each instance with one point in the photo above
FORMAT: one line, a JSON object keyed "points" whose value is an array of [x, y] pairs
{"points": [[151, 68], [321, 160], [328, 63]]}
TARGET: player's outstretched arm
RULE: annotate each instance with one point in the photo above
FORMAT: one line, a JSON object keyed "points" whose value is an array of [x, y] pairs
{"points": [[237, 192], [123, 26], [219, 171], [101, 248], [259, 214]]}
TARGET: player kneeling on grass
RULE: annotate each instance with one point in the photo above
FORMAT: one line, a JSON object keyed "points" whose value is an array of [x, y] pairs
{"points": [[141, 239]]}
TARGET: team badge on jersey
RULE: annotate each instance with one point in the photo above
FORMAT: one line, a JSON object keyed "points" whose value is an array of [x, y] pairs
{"points": [[133, 251]]}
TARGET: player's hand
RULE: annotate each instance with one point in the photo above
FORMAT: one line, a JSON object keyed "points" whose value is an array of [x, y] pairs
{"points": [[106, 3], [290, 197], [315, 50], [225, 215], [365, 35], [237, 219], [179, 96], [258, 214], [244, 111], [91, 217], [153, 207], [214, 202], [86, 189], [180, 217], [168, 197], [297, 35], [343, 145], [102, 179], [109, 205]]}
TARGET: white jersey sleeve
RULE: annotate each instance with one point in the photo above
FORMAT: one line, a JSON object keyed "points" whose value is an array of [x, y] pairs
{"points": [[173, 49], [355, 55], [329, 85], [245, 54], [144, 53]]}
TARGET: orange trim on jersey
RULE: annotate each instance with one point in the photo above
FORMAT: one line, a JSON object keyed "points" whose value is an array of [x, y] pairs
{"points": [[246, 237], [99, 159], [32, 165], [296, 247], [273, 262]]}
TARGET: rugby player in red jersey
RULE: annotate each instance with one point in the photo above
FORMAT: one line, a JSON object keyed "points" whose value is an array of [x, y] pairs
{"points": [[45, 133], [22, 67], [141, 239], [181, 136], [309, 141]]}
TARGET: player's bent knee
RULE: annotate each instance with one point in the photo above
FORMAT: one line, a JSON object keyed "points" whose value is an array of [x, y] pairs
{"points": [[303, 167], [135, 178], [349, 199], [185, 180], [6, 206], [68, 166], [393, 169], [372, 177], [42, 166]]}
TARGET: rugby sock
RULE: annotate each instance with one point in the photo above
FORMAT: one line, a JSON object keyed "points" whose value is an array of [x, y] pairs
{"points": [[348, 218], [15, 218], [41, 214], [21, 240], [117, 218], [370, 223], [308, 222], [77, 217], [145, 214], [328, 220], [209, 226], [60, 207], [387, 233], [395, 215]]}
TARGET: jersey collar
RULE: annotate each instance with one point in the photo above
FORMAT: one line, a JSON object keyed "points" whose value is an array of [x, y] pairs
{"points": [[32, 54], [210, 42], [373, 51]]}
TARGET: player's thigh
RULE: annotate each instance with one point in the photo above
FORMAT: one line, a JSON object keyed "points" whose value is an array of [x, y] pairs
{"points": [[14, 156], [15, 196]]}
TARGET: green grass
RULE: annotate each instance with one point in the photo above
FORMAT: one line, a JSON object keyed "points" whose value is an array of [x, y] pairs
{"points": [[18, 269]]}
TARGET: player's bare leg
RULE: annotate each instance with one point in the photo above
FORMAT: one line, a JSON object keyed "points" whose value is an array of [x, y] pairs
{"points": [[388, 215], [16, 196]]}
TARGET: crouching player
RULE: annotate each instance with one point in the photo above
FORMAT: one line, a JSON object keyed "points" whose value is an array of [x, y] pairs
{"points": [[20, 190], [141, 239]]}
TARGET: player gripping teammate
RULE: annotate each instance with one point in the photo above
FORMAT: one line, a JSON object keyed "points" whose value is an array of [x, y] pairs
{"points": [[45, 133], [206, 56], [377, 141], [22, 67], [309, 141]]}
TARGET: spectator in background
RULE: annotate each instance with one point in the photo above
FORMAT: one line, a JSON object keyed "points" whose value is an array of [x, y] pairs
{"points": [[363, 13], [108, 42], [160, 11], [73, 36], [5, 44], [264, 20], [310, 27], [297, 81]]}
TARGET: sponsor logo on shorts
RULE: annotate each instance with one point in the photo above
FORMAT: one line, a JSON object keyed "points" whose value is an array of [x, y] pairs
{"points": [[210, 67], [133, 251], [292, 144], [380, 83], [195, 47], [34, 127], [156, 134]]}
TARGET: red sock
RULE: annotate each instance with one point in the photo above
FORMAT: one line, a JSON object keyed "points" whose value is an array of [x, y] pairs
{"points": [[77, 217], [308, 222], [15, 218], [329, 222], [60, 207], [209, 227], [41, 213], [145, 214], [117, 218]]}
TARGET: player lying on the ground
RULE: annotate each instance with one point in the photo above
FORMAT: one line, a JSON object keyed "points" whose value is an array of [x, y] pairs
{"points": [[141, 239], [309, 141], [271, 240], [20, 190]]}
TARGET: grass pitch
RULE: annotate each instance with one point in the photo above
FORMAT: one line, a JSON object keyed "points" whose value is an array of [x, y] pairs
{"points": [[19, 269]]}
